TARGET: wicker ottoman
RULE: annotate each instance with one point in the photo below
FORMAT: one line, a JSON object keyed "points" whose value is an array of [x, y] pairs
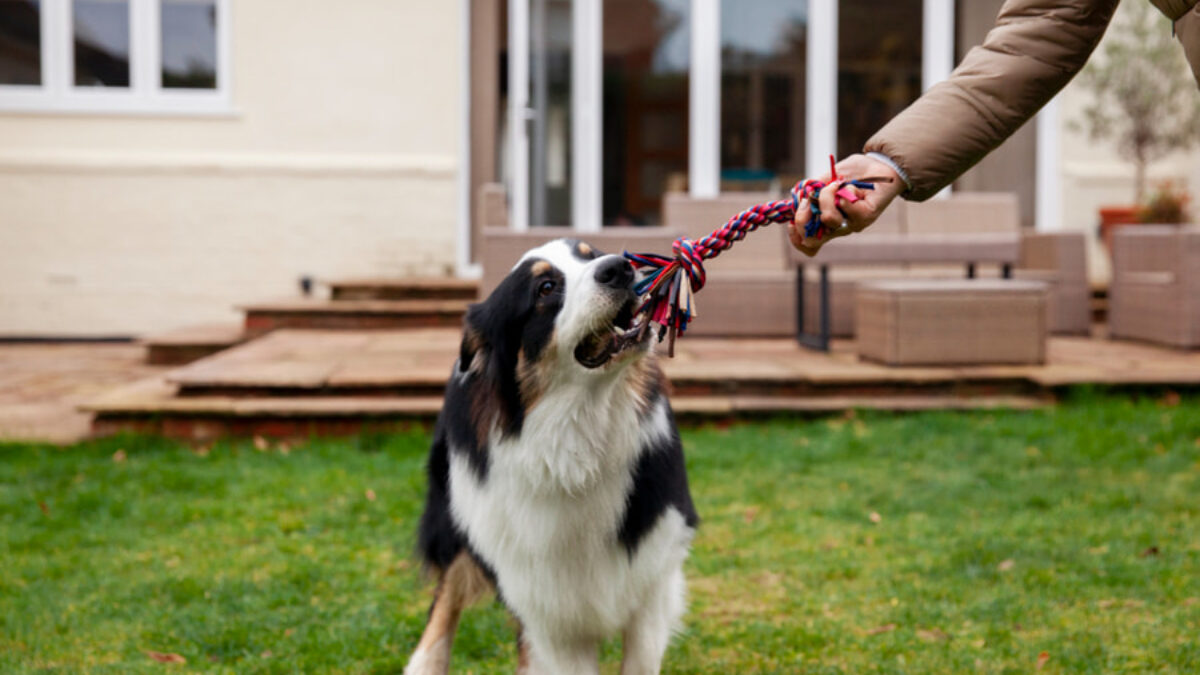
{"points": [[952, 322]]}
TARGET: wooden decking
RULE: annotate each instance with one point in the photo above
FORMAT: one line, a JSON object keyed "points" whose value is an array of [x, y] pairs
{"points": [[314, 381]]}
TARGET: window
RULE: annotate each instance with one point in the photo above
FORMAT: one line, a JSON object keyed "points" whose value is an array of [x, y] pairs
{"points": [[763, 69], [879, 66], [114, 55], [646, 55], [20, 42]]}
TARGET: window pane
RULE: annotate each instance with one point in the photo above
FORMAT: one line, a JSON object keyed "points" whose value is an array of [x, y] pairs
{"points": [[550, 101], [189, 44], [101, 29], [646, 60], [20, 42], [763, 58], [879, 66]]}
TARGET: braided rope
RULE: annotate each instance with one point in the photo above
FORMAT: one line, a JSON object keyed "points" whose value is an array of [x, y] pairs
{"points": [[667, 294]]}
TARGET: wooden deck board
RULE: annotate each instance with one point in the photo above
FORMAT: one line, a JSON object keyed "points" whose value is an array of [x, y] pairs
{"points": [[332, 359]]}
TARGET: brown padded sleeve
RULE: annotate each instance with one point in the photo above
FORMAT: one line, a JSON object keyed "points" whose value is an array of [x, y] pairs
{"points": [[1036, 47]]}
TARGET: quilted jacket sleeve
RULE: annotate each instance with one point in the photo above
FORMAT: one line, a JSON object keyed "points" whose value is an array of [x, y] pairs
{"points": [[1036, 47]]}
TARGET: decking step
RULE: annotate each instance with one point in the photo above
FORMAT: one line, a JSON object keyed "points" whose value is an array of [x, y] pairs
{"points": [[153, 406], [418, 288], [417, 362], [352, 314], [191, 343]]}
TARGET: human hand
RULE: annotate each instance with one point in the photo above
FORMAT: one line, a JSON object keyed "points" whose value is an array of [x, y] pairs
{"points": [[858, 215]]}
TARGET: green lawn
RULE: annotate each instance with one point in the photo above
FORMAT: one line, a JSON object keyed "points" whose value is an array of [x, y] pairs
{"points": [[931, 543]]}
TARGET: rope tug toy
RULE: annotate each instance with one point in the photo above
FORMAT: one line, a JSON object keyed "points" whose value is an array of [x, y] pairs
{"points": [[667, 294]]}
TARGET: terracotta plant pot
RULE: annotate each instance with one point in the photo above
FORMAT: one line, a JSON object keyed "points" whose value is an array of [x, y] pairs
{"points": [[1113, 217]]}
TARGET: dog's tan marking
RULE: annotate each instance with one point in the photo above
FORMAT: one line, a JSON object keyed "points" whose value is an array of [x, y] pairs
{"points": [[644, 378], [540, 267], [522, 651], [461, 585], [533, 377], [584, 249], [471, 348]]}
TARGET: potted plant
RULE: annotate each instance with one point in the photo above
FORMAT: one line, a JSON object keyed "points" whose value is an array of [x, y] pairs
{"points": [[1167, 205], [1143, 100]]}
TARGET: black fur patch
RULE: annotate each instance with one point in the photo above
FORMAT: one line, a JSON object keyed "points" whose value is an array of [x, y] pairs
{"points": [[439, 540], [659, 481]]}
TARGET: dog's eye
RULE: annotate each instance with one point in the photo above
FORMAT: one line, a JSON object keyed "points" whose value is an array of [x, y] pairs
{"points": [[546, 288]]}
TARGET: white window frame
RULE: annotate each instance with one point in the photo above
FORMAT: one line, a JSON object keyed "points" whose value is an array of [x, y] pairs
{"points": [[58, 93]]}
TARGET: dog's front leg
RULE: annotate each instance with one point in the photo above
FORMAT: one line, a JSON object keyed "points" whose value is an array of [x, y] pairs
{"points": [[558, 657], [649, 632], [460, 585]]}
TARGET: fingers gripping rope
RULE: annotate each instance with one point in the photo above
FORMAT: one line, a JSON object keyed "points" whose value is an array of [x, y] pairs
{"points": [[669, 283]]}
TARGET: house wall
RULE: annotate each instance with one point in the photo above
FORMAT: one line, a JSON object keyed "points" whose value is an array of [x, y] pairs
{"points": [[338, 159]]}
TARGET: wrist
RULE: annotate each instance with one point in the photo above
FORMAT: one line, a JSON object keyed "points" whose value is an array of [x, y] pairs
{"points": [[891, 164]]}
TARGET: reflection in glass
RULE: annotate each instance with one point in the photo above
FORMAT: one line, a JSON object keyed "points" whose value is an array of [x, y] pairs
{"points": [[879, 66], [646, 59], [550, 100], [763, 58], [20, 42], [189, 44], [101, 33]]}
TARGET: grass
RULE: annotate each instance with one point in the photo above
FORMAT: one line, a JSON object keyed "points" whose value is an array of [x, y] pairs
{"points": [[930, 543]]}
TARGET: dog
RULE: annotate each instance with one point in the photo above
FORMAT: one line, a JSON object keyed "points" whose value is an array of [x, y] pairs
{"points": [[556, 474]]}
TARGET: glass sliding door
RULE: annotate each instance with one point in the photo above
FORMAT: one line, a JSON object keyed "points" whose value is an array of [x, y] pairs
{"points": [[646, 51], [763, 79], [879, 66], [536, 92], [550, 107]]}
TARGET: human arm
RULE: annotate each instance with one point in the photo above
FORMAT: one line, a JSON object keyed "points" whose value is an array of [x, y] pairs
{"points": [[1034, 50]]}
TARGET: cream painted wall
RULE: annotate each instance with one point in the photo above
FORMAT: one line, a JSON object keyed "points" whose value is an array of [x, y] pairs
{"points": [[1093, 175], [338, 159]]}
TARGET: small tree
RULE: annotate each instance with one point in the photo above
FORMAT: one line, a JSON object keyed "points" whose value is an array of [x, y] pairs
{"points": [[1143, 95]]}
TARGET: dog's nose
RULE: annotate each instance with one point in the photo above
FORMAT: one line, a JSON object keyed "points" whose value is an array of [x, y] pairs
{"points": [[614, 272]]}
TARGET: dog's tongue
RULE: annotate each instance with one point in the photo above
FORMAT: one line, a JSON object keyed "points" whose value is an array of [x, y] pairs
{"points": [[596, 350]]}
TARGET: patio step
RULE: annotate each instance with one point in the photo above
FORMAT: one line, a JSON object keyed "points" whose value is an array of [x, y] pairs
{"points": [[420, 288], [416, 362], [191, 343], [353, 314], [154, 406], [297, 382]]}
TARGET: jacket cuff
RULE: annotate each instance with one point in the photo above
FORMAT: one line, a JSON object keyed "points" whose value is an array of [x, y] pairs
{"points": [[884, 159]]}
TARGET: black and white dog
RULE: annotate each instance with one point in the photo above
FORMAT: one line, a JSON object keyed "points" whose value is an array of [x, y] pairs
{"points": [[556, 474]]}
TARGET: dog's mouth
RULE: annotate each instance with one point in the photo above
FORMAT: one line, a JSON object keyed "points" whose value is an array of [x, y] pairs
{"points": [[612, 340]]}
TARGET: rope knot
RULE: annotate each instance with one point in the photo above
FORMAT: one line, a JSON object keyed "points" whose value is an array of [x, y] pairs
{"points": [[690, 261]]}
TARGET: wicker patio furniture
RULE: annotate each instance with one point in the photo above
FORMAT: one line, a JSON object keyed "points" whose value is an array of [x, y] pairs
{"points": [[962, 235], [952, 321], [1155, 290]]}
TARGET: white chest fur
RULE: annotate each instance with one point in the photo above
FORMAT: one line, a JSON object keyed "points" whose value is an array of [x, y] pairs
{"points": [[548, 514]]}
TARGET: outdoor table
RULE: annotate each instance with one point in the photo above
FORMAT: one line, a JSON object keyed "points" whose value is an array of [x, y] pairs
{"points": [[887, 249]]}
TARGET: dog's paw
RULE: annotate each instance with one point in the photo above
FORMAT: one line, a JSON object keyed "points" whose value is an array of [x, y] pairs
{"points": [[432, 661]]}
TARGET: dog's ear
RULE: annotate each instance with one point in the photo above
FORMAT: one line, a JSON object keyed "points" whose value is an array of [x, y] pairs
{"points": [[470, 348], [491, 348]]}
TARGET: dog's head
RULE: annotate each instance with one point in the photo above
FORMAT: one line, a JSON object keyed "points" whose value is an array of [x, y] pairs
{"points": [[562, 313]]}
